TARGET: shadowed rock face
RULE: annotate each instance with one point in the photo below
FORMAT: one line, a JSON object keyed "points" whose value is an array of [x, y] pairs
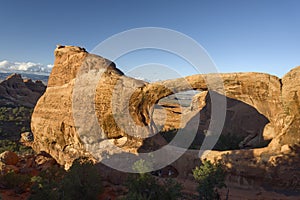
{"points": [[243, 123], [278, 163], [88, 100]]}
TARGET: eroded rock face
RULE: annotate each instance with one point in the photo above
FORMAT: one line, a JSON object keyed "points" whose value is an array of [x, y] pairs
{"points": [[52, 121], [14, 91], [82, 85]]}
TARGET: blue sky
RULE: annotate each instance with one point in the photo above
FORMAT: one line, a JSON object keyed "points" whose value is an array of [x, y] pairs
{"points": [[239, 35]]}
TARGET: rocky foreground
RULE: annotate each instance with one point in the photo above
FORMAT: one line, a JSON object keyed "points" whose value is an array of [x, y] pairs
{"points": [[260, 107]]}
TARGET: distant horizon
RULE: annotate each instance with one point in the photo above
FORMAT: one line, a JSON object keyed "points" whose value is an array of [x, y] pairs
{"points": [[45, 73], [152, 79]]}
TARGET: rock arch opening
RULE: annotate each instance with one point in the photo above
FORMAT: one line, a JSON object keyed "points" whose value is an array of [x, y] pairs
{"points": [[243, 127]]}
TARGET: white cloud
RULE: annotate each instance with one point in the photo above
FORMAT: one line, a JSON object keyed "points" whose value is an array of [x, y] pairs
{"points": [[30, 67]]}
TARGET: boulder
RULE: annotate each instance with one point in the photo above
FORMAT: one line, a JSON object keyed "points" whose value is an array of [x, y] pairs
{"points": [[4, 169], [26, 137], [44, 162], [9, 158]]}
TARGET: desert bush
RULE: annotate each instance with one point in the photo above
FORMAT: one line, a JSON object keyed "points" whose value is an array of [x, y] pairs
{"points": [[82, 181], [210, 177], [47, 184], [11, 113], [172, 189], [8, 145], [44, 189], [145, 186], [14, 120], [141, 166]]}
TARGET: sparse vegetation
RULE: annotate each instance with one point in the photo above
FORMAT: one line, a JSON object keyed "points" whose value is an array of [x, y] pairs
{"points": [[13, 121], [47, 184], [8, 113], [144, 186], [210, 177], [8, 145], [141, 166], [82, 181]]}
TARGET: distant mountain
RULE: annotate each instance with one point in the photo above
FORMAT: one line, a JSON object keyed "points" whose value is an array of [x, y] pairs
{"points": [[16, 91], [33, 77]]}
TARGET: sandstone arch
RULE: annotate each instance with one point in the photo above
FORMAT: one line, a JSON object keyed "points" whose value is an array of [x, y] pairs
{"points": [[261, 91]]}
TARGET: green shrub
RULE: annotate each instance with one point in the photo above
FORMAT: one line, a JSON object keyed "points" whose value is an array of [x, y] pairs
{"points": [[44, 189], [14, 120], [8, 145], [172, 189], [210, 177], [82, 181], [147, 187], [47, 184], [142, 166]]}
